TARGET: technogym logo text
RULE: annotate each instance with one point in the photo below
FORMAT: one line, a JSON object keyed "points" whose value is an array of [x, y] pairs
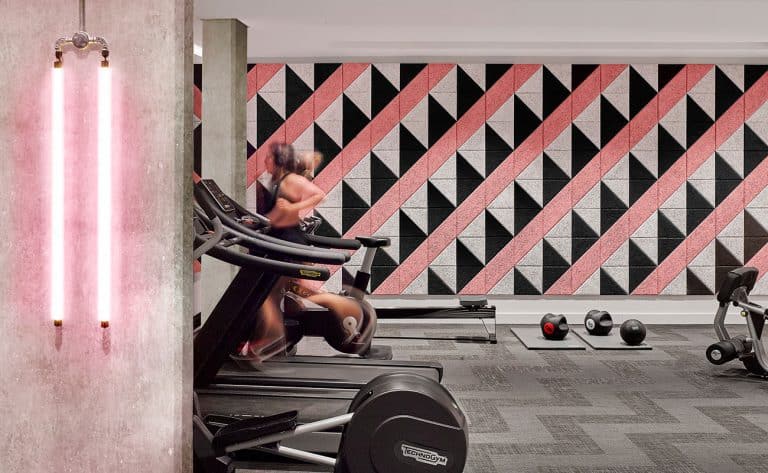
{"points": [[423, 455]]}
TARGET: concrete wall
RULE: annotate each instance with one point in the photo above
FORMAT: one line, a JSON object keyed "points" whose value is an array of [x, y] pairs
{"points": [[83, 398]]}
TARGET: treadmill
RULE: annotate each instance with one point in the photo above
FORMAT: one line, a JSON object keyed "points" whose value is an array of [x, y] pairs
{"points": [[234, 315]]}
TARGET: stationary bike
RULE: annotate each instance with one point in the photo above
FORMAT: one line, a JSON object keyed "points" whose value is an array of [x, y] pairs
{"points": [[749, 349]]}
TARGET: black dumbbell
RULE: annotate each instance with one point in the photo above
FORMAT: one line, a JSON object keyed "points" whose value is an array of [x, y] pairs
{"points": [[633, 332], [554, 327], [598, 322]]}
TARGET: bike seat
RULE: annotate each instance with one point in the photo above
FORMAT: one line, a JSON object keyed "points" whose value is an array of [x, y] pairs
{"points": [[373, 242]]}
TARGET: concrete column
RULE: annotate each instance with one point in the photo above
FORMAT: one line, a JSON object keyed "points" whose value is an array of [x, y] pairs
{"points": [[225, 65], [83, 398]]}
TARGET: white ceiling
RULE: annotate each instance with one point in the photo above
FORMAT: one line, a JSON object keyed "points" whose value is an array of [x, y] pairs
{"points": [[487, 30]]}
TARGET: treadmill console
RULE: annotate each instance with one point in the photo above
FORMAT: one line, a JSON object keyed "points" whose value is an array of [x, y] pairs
{"points": [[222, 200]]}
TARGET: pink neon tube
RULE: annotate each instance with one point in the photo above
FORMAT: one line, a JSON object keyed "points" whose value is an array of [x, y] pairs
{"points": [[104, 193], [57, 195]]}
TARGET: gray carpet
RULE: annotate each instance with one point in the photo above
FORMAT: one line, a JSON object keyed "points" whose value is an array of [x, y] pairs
{"points": [[664, 410]]}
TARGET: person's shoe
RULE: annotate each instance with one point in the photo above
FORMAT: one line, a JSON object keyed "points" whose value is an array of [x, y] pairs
{"points": [[252, 354]]}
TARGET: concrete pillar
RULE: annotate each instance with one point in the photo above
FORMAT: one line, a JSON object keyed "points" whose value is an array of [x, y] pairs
{"points": [[225, 65], [83, 398]]}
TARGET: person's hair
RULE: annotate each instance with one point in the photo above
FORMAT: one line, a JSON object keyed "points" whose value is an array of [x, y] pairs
{"points": [[284, 156], [308, 163]]}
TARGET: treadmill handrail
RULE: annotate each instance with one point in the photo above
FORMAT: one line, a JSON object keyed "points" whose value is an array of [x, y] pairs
{"points": [[299, 271], [270, 245]]}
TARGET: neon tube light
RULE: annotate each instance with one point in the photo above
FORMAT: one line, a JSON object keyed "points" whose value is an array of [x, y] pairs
{"points": [[104, 193], [57, 194]]}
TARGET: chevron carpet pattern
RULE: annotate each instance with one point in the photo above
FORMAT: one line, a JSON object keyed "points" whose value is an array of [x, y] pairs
{"points": [[665, 410]]}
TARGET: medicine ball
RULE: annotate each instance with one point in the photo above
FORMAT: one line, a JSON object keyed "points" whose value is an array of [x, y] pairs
{"points": [[598, 322], [633, 332], [554, 327]]}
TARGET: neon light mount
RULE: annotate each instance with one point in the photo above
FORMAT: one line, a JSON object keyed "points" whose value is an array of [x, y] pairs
{"points": [[82, 40]]}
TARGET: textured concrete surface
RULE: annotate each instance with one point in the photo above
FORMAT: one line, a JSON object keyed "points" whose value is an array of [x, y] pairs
{"points": [[665, 410], [223, 141], [82, 398]]}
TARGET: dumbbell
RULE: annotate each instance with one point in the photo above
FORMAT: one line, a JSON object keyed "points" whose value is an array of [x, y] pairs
{"points": [[598, 322], [554, 327]]}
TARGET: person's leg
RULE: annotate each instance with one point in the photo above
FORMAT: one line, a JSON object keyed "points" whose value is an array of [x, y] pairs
{"points": [[268, 338]]}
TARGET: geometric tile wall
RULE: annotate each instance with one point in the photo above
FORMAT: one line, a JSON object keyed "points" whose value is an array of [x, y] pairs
{"points": [[529, 179]]}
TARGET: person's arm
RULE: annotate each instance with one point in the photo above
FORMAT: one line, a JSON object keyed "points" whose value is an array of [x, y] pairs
{"points": [[302, 194]]}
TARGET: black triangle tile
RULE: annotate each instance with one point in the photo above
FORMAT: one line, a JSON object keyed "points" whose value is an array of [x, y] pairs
{"points": [[753, 73], [609, 200], [723, 170], [379, 170], [523, 200], [638, 274], [724, 257], [350, 199], [694, 217], [755, 150], [494, 228], [667, 246], [296, 91], [608, 217], [464, 170], [611, 121], [249, 149], [583, 150], [667, 229], [325, 229], [637, 256], [551, 257], [555, 92], [525, 123], [436, 199], [382, 91], [552, 171], [325, 145], [580, 228], [465, 187], [350, 216], [411, 149], [354, 120], [694, 199], [523, 286], [439, 120], [496, 150], [469, 92], [408, 245], [669, 150], [523, 217], [580, 72], [726, 92], [408, 228], [268, 121], [552, 188], [465, 274], [436, 286], [251, 66], [697, 121], [323, 71], [493, 245], [695, 287], [408, 72], [464, 257], [753, 245], [551, 274], [667, 72], [640, 179], [754, 227], [579, 246], [493, 73], [198, 76], [723, 188], [608, 286], [383, 259], [640, 92], [379, 187], [379, 274]]}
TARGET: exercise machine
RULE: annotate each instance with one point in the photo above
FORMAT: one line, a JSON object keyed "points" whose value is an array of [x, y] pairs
{"points": [[750, 348], [470, 307], [396, 422], [247, 292]]}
